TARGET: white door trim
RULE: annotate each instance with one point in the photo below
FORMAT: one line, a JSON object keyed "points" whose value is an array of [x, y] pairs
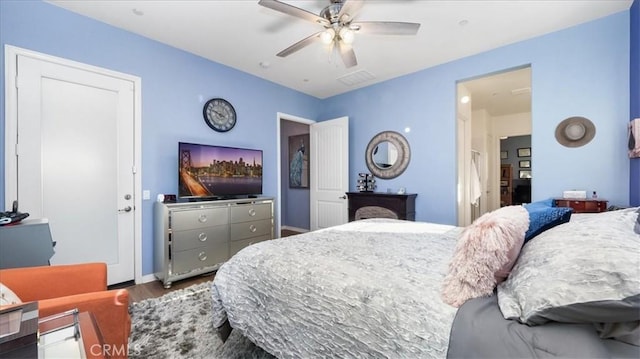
{"points": [[11, 54], [279, 117]]}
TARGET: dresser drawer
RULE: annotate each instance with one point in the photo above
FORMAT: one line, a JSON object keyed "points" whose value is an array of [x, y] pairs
{"points": [[201, 237], [595, 206], [250, 212], [185, 261], [236, 246], [250, 229], [576, 205], [198, 218]]}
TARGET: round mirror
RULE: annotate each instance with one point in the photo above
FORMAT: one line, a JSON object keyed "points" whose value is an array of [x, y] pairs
{"points": [[387, 154]]}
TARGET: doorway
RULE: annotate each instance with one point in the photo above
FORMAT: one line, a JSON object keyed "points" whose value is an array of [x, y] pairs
{"points": [[490, 108], [328, 163], [294, 192]]}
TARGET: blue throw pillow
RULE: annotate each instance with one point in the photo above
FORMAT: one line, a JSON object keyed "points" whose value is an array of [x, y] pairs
{"points": [[545, 203], [543, 216]]}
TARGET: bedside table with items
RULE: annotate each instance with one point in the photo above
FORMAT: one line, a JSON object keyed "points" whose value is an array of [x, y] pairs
{"points": [[582, 205]]}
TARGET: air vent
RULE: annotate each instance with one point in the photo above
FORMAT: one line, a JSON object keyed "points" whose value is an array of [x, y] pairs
{"points": [[356, 78]]}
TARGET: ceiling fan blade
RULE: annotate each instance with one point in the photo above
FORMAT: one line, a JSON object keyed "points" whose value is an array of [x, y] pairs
{"points": [[300, 44], [347, 54], [385, 27], [350, 8], [293, 11]]}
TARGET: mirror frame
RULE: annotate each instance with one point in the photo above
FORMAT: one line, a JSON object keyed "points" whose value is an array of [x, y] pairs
{"points": [[404, 154]]}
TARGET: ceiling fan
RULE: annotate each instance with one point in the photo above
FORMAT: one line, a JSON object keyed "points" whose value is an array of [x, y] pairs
{"points": [[339, 28]]}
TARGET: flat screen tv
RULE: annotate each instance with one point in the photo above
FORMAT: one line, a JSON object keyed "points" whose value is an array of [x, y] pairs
{"points": [[210, 172]]}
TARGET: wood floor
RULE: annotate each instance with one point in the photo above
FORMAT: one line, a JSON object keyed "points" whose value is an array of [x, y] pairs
{"points": [[287, 233], [155, 289]]}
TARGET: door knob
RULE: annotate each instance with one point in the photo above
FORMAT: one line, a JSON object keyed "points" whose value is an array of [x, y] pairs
{"points": [[343, 197], [125, 209]]}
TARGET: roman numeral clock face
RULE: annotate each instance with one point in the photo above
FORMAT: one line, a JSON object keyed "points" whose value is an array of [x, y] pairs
{"points": [[219, 115]]}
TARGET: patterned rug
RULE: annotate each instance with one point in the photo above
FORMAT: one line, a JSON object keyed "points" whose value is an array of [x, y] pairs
{"points": [[179, 325]]}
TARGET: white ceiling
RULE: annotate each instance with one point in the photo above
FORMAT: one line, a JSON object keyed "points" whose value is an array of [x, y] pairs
{"points": [[243, 35], [503, 93]]}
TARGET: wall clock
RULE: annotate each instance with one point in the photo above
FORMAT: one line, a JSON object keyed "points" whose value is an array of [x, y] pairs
{"points": [[219, 114]]}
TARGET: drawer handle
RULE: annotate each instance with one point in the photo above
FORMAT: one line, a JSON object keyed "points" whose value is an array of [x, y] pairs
{"points": [[202, 218], [202, 237], [202, 256], [253, 228], [252, 212]]}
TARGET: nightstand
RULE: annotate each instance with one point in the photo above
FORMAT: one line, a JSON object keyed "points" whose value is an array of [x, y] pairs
{"points": [[582, 205]]}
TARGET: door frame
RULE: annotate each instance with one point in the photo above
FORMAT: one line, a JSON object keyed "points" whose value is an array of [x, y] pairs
{"points": [[11, 54], [279, 117]]}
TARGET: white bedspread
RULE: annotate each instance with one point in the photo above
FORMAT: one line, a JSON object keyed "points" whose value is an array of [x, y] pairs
{"points": [[365, 289]]}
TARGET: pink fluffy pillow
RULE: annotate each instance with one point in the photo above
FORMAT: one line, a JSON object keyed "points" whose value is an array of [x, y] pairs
{"points": [[485, 253]]}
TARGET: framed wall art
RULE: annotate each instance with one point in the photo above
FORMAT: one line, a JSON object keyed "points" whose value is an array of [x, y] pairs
{"points": [[524, 152], [299, 161], [524, 174]]}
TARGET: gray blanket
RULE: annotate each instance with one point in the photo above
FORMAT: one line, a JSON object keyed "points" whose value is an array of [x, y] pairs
{"points": [[366, 289], [480, 331]]}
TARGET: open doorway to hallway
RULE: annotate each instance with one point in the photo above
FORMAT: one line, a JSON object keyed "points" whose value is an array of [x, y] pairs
{"points": [[294, 174], [492, 108]]}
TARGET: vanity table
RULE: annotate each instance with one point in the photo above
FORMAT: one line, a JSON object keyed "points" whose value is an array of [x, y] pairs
{"points": [[387, 156], [363, 205]]}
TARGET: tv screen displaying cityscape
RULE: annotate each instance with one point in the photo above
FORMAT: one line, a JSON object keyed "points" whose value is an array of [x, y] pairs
{"points": [[208, 171]]}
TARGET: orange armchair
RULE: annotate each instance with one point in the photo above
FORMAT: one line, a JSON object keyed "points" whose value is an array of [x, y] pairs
{"points": [[83, 286]]}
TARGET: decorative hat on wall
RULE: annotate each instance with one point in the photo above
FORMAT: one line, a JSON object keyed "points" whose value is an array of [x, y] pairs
{"points": [[575, 131]]}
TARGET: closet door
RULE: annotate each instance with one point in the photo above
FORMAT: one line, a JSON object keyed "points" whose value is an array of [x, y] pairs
{"points": [[75, 161]]}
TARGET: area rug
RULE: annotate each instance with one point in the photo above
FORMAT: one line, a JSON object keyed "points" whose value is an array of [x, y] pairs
{"points": [[179, 325]]}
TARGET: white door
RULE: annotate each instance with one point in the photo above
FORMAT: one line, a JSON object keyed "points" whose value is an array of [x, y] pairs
{"points": [[329, 141], [75, 161]]}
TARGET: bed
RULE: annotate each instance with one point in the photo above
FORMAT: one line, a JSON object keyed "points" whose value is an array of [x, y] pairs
{"points": [[377, 288]]}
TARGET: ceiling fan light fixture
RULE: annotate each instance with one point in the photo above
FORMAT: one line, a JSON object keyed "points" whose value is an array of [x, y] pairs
{"points": [[327, 36], [347, 35]]}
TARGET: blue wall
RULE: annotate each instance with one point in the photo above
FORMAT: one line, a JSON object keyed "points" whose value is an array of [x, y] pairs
{"points": [[634, 178], [175, 85], [581, 71]]}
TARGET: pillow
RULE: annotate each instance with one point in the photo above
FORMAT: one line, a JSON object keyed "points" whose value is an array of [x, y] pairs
{"points": [[484, 254], [7, 296], [586, 271], [543, 216]]}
